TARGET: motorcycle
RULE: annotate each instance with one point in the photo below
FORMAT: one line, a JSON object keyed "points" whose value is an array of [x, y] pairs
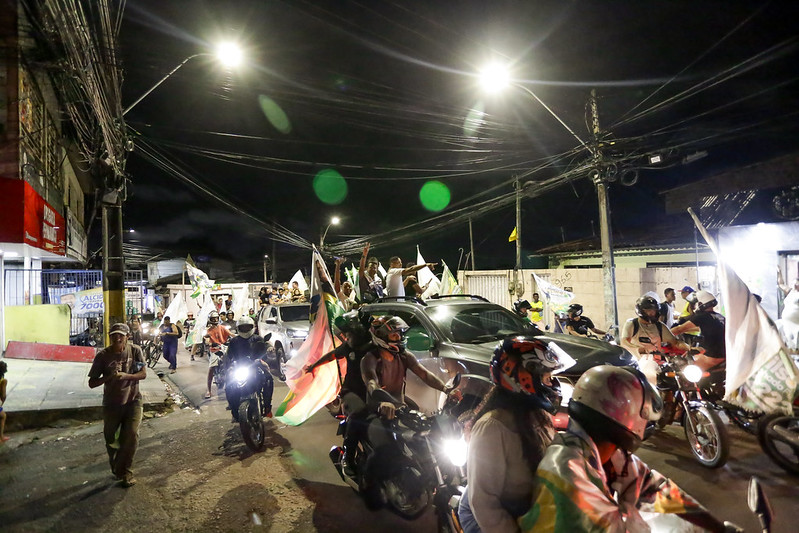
{"points": [[778, 435], [219, 369], [678, 382], [252, 407], [423, 465]]}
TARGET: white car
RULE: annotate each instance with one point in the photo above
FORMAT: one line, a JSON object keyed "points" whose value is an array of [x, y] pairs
{"points": [[288, 324]]}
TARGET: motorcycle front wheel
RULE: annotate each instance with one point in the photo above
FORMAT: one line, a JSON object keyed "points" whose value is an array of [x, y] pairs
{"points": [[778, 435], [707, 436], [251, 425], [406, 492]]}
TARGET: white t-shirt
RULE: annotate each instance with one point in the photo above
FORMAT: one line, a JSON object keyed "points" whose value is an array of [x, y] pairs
{"points": [[394, 285]]}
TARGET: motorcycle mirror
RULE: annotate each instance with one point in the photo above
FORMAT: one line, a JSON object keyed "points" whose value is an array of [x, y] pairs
{"points": [[267, 336], [454, 382], [758, 503], [645, 340]]}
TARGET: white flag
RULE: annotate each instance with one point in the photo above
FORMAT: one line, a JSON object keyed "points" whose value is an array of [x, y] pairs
{"points": [[426, 277], [557, 298], [298, 277], [760, 374]]}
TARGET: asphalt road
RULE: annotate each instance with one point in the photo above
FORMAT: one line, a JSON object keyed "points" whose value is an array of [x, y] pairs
{"points": [[722, 491], [196, 474]]}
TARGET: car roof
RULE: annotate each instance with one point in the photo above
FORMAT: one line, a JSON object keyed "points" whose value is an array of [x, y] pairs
{"points": [[432, 303]]}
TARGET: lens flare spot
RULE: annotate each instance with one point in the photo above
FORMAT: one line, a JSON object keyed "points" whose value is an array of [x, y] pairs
{"points": [[274, 114], [330, 186], [434, 195], [474, 120]]}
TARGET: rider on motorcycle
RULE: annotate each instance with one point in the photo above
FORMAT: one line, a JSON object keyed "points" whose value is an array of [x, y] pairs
{"points": [[580, 325], [354, 326], [712, 326], [215, 336], [589, 479], [385, 367], [646, 333], [249, 346]]}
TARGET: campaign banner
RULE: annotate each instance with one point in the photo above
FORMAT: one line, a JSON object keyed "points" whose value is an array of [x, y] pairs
{"points": [[88, 302]]}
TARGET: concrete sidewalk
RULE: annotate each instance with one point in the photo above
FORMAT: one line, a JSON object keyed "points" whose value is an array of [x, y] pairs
{"points": [[42, 392]]}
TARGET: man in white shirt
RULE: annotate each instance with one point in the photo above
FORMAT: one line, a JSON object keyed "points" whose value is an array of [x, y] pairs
{"points": [[394, 285]]}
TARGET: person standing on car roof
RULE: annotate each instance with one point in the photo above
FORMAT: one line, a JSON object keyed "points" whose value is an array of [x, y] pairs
{"points": [[510, 431], [580, 325], [394, 285], [370, 284]]}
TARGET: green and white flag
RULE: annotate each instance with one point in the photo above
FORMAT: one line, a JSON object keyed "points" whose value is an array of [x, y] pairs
{"points": [[449, 285], [200, 284], [760, 374]]}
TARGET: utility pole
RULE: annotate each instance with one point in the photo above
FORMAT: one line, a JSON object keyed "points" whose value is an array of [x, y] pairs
{"points": [[113, 262], [471, 242], [274, 260], [599, 178], [518, 265]]}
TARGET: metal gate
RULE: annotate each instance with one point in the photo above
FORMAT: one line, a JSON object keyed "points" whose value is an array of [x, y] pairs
{"points": [[36, 286], [493, 287]]}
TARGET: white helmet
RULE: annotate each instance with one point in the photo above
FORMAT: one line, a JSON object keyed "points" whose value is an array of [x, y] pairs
{"points": [[614, 403], [246, 327], [705, 299]]}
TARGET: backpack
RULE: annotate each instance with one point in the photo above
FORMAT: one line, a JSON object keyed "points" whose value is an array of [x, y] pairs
{"points": [[637, 326], [180, 330]]}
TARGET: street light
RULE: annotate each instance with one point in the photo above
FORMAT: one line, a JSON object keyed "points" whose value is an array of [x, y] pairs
{"points": [[266, 260], [333, 222], [229, 54], [496, 77]]}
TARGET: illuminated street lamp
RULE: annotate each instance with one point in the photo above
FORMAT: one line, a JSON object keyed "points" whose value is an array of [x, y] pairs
{"points": [[228, 54], [496, 77], [266, 260], [333, 222]]}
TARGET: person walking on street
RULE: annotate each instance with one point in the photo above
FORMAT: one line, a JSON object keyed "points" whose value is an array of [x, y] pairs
{"points": [[666, 310], [3, 387], [169, 336], [119, 368]]}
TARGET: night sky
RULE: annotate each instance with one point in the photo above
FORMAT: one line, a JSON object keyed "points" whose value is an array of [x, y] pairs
{"points": [[380, 92]]}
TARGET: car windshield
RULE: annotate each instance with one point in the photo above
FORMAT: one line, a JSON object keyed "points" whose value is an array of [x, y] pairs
{"points": [[477, 324], [295, 313]]}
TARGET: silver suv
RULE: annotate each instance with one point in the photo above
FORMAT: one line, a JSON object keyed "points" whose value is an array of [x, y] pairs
{"points": [[288, 324], [459, 334]]}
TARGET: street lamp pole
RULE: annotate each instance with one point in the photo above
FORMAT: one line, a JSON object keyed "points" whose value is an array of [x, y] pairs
{"points": [[266, 258], [162, 80], [599, 178], [333, 222]]}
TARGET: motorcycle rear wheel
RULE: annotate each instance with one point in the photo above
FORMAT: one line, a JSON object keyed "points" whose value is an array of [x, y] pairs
{"points": [[711, 443], [252, 425], [773, 433]]}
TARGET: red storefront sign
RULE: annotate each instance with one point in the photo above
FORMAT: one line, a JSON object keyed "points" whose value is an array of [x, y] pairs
{"points": [[25, 217]]}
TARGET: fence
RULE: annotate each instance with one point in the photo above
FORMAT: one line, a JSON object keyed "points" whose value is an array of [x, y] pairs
{"points": [[82, 290]]}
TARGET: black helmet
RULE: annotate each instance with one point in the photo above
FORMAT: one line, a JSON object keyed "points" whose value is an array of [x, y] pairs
{"points": [[645, 303], [388, 332], [577, 309], [520, 305]]}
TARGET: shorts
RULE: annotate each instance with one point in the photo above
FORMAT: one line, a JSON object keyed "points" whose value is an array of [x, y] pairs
{"points": [[214, 359]]}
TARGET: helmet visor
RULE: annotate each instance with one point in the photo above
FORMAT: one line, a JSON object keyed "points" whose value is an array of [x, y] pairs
{"points": [[244, 328]]}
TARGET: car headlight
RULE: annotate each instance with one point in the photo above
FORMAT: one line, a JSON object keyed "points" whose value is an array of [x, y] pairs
{"points": [[242, 373], [455, 450], [692, 373]]}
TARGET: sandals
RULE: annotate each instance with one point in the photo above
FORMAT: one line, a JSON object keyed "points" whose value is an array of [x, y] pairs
{"points": [[207, 395]]}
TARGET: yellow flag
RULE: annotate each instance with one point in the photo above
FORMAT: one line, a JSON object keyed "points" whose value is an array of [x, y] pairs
{"points": [[512, 236]]}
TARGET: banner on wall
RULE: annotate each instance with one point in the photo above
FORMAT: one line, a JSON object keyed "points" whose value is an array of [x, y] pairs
{"points": [[27, 218], [88, 302]]}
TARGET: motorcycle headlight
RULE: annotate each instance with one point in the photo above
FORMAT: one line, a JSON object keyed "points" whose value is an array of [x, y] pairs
{"points": [[692, 373], [456, 450], [241, 373], [145, 329]]}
